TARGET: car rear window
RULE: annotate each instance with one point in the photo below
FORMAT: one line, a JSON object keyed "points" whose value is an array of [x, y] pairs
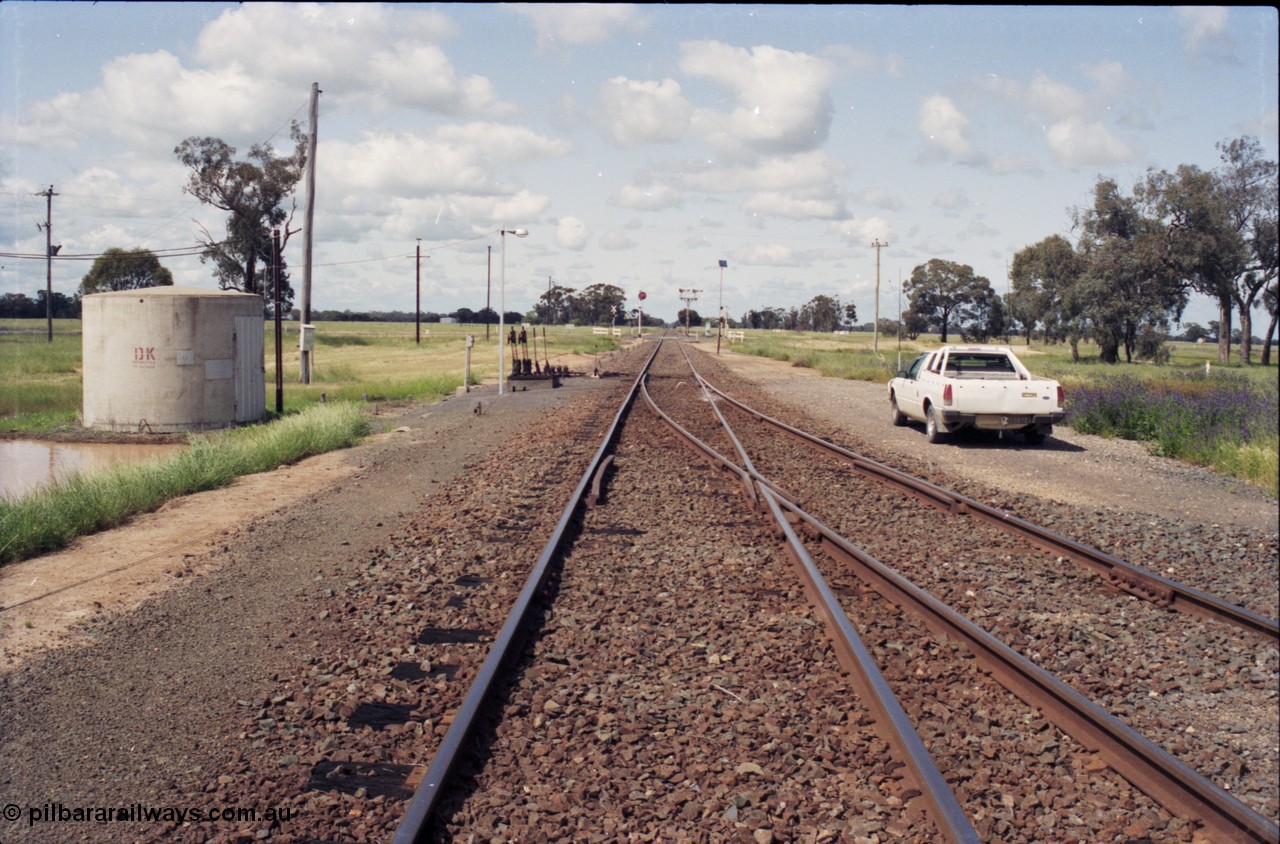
{"points": [[972, 363]]}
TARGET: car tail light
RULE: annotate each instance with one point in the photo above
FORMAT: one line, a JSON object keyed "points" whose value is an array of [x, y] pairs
{"points": [[946, 394], [1062, 396]]}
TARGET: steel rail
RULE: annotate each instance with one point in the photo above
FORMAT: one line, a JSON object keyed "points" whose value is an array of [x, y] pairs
{"points": [[506, 646], [873, 690], [1118, 573], [1149, 767], [1146, 765]]}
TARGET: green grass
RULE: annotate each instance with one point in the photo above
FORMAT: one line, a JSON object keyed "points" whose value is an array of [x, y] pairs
{"points": [[37, 376], [353, 364], [845, 356], [52, 516], [41, 385]]}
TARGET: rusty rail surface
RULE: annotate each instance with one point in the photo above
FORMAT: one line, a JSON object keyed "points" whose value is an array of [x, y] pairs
{"points": [[506, 646], [1147, 766], [1118, 573], [894, 725]]}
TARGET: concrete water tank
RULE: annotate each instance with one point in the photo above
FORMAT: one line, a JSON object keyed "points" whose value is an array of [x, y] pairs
{"points": [[165, 359]]}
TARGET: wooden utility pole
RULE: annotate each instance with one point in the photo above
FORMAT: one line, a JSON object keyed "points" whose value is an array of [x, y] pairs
{"points": [[417, 308], [875, 342], [49, 252], [488, 290], [275, 286], [304, 310]]}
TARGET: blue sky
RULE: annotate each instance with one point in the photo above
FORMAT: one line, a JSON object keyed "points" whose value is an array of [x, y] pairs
{"points": [[638, 144]]}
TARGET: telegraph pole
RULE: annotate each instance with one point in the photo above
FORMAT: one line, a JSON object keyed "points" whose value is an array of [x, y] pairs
{"points": [[488, 291], [49, 252], [275, 286], [875, 342], [417, 308], [304, 311]]}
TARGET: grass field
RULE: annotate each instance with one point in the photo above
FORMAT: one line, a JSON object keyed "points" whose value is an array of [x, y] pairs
{"points": [[1225, 419], [353, 364], [40, 382]]}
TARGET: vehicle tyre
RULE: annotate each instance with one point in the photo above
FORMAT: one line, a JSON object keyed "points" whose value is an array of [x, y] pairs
{"points": [[932, 428], [899, 418]]}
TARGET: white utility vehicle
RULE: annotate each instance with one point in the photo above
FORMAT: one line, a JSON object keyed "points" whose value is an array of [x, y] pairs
{"points": [[984, 387]]}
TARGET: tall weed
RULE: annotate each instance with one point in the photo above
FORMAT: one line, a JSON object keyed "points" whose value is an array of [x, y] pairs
{"points": [[1226, 422], [81, 504]]}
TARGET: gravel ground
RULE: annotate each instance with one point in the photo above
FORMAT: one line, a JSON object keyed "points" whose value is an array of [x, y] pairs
{"points": [[1111, 476], [198, 692]]}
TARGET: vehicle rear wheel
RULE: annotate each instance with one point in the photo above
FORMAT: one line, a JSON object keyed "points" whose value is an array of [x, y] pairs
{"points": [[932, 428], [899, 418]]}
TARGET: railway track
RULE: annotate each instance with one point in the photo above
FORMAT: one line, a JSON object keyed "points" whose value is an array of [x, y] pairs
{"points": [[663, 678]]}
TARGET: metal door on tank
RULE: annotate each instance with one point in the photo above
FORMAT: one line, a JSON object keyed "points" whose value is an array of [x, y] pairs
{"points": [[250, 372]]}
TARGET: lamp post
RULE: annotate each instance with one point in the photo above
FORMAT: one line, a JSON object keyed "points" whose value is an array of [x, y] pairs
{"points": [[502, 308], [720, 315]]}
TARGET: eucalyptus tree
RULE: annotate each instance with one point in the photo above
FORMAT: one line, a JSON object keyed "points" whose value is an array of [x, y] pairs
{"points": [[1040, 277], [821, 313], [596, 304], [554, 305], [1248, 183], [253, 191], [1126, 282], [942, 292], [1222, 232], [125, 269], [1269, 301]]}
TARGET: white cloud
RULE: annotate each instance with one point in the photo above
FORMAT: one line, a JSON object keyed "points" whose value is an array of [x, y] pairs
{"points": [[1204, 31], [783, 97], [648, 197], [242, 81], [644, 112], [945, 127], [450, 159], [147, 99], [1080, 145], [861, 232], [1077, 124], [773, 204], [571, 24], [952, 202], [879, 198], [765, 254], [572, 234], [421, 76], [617, 242], [384, 58], [813, 173]]}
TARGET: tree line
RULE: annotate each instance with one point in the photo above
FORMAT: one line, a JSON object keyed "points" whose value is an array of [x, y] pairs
{"points": [[1141, 253], [1138, 257]]}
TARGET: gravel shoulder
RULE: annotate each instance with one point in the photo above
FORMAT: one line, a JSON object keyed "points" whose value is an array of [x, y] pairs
{"points": [[1076, 469]]}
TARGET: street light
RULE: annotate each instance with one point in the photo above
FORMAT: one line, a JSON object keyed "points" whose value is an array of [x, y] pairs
{"points": [[720, 320], [502, 308]]}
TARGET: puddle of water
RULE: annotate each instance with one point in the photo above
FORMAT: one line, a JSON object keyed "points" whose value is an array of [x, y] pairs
{"points": [[26, 465]]}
